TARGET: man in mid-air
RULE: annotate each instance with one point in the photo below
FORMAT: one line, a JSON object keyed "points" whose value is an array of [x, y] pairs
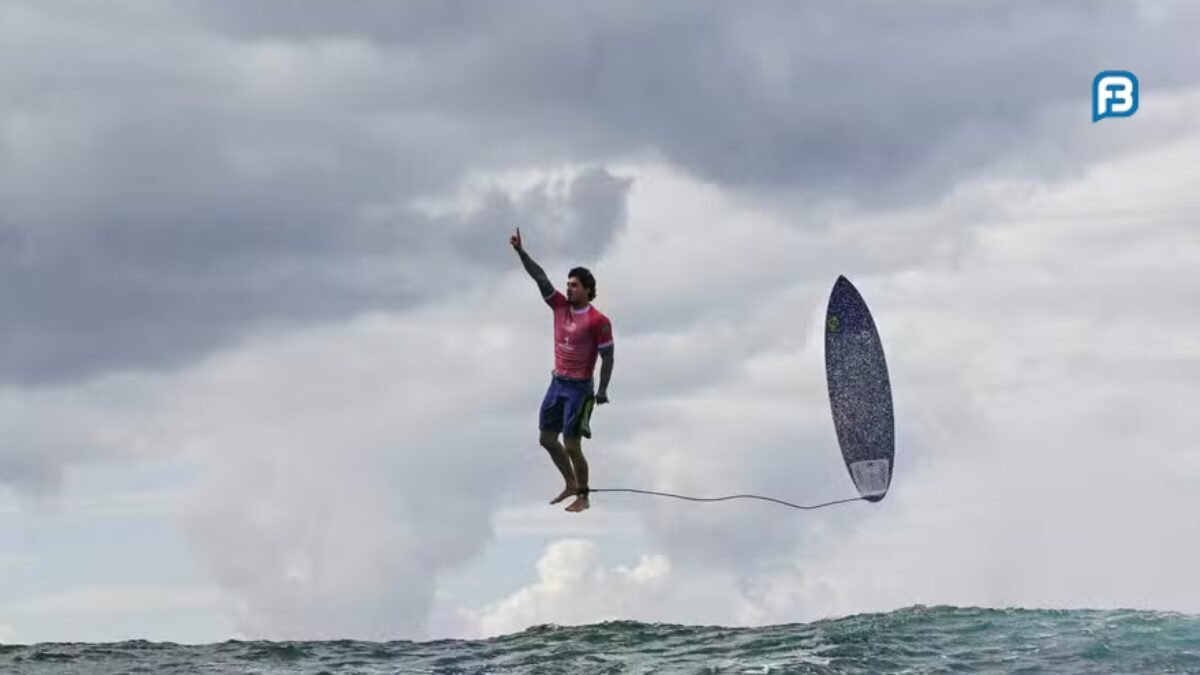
{"points": [[581, 333]]}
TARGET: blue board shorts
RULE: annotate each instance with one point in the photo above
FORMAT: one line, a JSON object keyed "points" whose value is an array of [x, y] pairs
{"points": [[567, 407]]}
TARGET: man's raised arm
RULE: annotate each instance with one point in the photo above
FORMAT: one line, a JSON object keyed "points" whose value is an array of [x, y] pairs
{"points": [[535, 270]]}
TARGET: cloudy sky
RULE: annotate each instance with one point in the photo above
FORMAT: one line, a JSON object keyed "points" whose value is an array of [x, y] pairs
{"points": [[269, 368]]}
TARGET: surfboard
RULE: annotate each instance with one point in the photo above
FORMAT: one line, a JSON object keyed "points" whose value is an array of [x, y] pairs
{"points": [[860, 391]]}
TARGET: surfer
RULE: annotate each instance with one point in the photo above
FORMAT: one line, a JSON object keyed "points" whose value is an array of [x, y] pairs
{"points": [[581, 333]]}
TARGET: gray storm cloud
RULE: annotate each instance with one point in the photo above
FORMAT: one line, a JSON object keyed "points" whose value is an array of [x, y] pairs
{"points": [[175, 177]]}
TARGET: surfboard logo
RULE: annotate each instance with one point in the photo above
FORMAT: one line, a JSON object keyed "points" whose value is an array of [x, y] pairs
{"points": [[832, 323]]}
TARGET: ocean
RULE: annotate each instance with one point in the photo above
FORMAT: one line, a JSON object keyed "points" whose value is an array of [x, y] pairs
{"points": [[912, 640]]}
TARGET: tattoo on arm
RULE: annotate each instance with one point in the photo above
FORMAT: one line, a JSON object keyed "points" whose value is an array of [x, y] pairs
{"points": [[538, 274]]}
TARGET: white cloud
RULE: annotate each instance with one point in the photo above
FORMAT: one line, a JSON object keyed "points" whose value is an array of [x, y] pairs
{"points": [[1063, 477], [344, 467], [574, 587], [1067, 333]]}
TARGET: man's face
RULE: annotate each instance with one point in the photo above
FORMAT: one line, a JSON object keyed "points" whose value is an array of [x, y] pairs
{"points": [[575, 291]]}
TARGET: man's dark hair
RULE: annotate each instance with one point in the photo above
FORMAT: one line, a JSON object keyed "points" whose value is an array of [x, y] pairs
{"points": [[584, 275]]}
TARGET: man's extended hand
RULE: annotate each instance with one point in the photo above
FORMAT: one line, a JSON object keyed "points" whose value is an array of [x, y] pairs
{"points": [[515, 240], [601, 397]]}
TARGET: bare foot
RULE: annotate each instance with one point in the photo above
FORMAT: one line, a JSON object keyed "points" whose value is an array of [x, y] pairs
{"points": [[580, 504], [568, 491]]}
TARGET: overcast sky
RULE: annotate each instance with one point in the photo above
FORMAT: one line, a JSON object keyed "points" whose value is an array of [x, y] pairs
{"points": [[269, 368]]}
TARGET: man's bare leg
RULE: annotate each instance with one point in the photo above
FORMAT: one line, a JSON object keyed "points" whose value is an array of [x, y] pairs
{"points": [[574, 450], [549, 441]]}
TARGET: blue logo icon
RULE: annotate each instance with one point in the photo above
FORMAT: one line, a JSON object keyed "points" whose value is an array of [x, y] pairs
{"points": [[1114, 94]]}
